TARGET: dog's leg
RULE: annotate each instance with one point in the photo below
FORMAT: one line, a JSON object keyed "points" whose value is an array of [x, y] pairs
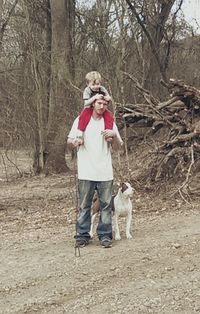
{"points": [[92, 225], [116, 228], [128, 225]]}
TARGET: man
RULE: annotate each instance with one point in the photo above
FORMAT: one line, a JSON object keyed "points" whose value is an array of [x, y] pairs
{"points": [[95, 173]]}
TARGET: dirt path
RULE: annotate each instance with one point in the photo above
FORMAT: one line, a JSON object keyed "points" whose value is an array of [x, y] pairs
{"points": [[155, 272]]}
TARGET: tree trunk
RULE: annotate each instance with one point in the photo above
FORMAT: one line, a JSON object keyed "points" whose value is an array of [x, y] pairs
{"points": [[4, 20], [62, 101]]}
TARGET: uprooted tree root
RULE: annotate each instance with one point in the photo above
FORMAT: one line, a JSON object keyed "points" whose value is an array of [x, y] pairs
{"points": [[171, 130]]}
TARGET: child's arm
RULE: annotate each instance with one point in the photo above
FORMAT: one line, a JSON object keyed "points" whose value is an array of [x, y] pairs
{"points": [[89, 102], [107, 96]]}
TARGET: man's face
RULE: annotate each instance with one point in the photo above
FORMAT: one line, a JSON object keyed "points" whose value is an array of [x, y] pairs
{"points": [[100, 105]]}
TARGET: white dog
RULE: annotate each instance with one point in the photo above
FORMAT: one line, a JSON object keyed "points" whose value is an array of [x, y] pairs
{"points": [[122, 206]]}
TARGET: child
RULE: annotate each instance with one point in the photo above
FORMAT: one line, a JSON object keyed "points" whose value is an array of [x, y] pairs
{"points": [[93, 91]]}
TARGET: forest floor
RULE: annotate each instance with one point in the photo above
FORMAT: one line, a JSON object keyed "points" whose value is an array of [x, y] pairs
{"points": [[157, 271]]}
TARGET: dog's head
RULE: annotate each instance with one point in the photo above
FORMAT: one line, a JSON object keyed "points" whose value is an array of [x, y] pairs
{"points": [[127, 189]]}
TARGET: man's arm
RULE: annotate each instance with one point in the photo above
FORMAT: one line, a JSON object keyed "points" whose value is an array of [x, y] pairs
{"points": [[117, 143], [73, 140]]}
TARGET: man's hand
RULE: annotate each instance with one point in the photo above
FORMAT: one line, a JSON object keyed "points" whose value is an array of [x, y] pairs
{"points": [[109, 134], [76, 142]]}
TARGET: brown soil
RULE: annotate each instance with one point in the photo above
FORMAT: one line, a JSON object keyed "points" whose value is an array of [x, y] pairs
{"points": [[155, 272]]}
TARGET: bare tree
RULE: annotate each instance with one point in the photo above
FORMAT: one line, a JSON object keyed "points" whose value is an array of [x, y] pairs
{"points": [[152, 16], [46, 53], [62, 99], [5, 19]]}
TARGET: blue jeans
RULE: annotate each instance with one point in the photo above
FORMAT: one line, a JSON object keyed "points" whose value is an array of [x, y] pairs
{"points": [[86, 192]]}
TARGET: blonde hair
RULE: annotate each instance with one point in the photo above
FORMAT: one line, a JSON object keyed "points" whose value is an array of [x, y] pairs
{"points": [[93, 77]]}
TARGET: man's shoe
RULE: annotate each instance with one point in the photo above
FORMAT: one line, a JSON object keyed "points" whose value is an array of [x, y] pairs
{"points": [[81, 242], [106, 242]]}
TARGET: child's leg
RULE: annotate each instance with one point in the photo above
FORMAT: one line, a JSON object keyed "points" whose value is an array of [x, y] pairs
{"points": [[84, 118], [108, 121]]}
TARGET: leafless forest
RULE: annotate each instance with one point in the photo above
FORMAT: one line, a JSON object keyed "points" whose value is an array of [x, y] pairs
{"points": [[47, 47]]}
